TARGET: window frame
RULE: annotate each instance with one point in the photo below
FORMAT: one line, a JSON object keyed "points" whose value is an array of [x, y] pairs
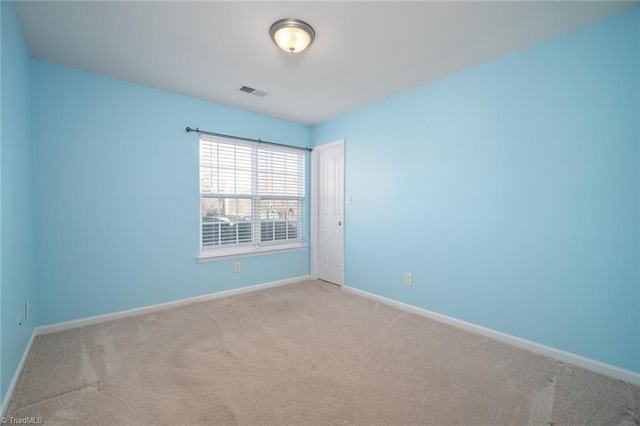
{"points": [[256, 246]]}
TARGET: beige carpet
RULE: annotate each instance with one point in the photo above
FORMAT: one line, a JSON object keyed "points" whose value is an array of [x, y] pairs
{"points": [[304, 354]]}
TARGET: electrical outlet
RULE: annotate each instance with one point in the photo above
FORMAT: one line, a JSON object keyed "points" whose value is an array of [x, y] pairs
{"points": [[27, 309], [408, 279], [237, 267]]}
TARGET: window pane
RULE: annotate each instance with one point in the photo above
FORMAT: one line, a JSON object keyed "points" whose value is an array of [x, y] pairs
{"points": [[227, 180], [210, 209], [226, 221], [279, 220], [243, 182], [208, 165], [208, 180], [280, 173]]}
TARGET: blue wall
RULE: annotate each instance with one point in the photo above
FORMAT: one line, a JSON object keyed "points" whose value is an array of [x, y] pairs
{"points": [[117, 188], [18, 260], [511, 193]]}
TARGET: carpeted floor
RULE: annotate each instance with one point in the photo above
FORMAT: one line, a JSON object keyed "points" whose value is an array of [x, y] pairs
{"points": [[304, 354]]}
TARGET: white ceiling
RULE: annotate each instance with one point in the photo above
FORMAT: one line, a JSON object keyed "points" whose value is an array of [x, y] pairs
{"points": [[363, 52]]}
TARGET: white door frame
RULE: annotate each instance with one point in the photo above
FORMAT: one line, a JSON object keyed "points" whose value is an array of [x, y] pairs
{"points": [[315, 206]]}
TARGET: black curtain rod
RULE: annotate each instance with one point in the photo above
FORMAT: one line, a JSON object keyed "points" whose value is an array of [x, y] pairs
{"points": [[189, 129]]}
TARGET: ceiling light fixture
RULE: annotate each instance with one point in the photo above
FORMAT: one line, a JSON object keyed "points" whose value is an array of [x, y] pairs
{"points": [[292, 35]]}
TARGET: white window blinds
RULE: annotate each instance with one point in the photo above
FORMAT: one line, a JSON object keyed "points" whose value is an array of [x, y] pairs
{"points": [[251, 195]]}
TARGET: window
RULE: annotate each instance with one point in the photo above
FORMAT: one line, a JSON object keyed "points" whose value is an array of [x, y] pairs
{"points": [[252, 197]]}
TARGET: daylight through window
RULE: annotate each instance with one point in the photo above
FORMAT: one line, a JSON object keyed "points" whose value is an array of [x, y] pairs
{"points": [[252, 196]]}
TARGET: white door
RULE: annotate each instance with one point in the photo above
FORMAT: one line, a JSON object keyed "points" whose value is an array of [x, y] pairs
{"points": [[331, 213]]}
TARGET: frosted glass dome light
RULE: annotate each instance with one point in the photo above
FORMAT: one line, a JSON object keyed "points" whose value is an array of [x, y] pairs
{"points": [[292, 35]]}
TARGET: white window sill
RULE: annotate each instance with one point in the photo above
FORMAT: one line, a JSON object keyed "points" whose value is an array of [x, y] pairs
{"points": [[234, 253]]}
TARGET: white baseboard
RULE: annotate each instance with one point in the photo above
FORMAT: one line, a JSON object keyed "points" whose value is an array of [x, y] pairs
{"points": [[16, 376], [68, 325], [558, 354]]}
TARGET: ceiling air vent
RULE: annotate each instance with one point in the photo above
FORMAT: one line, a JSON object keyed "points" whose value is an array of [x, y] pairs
{"points": [[253, 91]]}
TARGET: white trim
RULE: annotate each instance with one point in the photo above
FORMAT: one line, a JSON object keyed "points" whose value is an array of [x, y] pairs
{"points": [[329, 145], [558, 354], [314, 214], [315, 204], [68, 325], [16, 375], [213, 255]]}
